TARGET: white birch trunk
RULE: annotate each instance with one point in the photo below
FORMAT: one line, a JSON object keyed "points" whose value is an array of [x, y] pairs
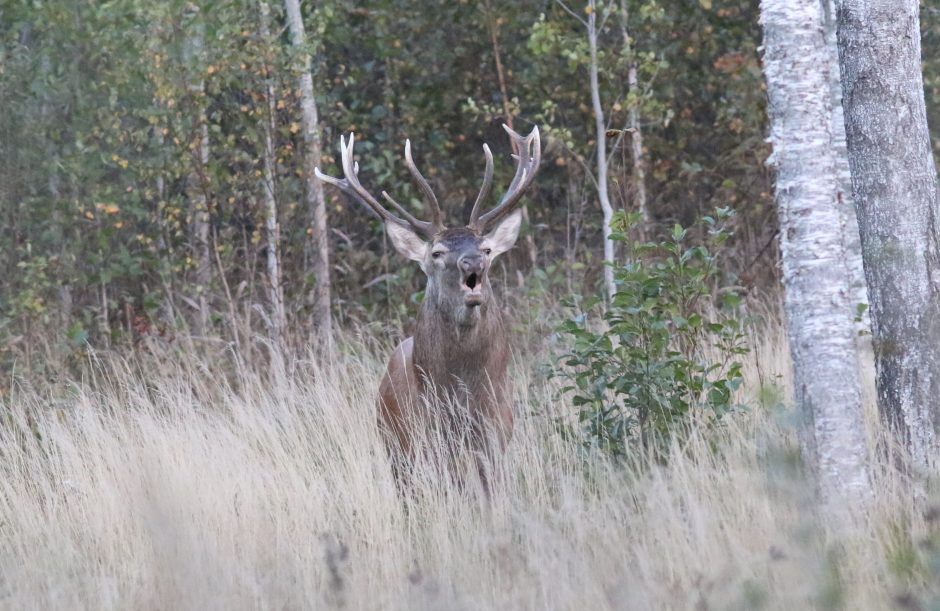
{"points": [[816, 275], [600, 129], [322, 317], [636, 130], [639, 162], [272, 229], [196, 186], [894, 187]]}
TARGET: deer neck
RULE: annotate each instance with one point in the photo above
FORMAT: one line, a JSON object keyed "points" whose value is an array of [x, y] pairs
{"points": [[451, 348]]}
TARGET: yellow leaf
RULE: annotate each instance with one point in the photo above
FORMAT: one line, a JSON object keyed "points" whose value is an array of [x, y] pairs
{"points": [[294, 128], [588, 9], [705, 4]]}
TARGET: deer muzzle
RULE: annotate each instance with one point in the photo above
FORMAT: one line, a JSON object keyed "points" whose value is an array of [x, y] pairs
{"points": [[473, 268]]}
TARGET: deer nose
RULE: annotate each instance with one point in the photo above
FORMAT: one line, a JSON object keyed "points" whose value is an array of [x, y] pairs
{"points": [[471, 263]]}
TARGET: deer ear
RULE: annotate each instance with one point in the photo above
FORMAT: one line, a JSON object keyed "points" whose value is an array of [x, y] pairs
{"points": [[407, 242], [504, 235]]}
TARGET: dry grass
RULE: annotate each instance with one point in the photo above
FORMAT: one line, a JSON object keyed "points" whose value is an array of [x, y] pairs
{"points": [[170, 486]]}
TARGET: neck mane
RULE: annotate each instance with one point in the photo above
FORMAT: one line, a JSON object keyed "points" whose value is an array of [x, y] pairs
{"points": [[449, 353]]}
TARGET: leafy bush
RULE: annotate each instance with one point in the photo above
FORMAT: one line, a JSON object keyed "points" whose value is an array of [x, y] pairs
{"points": [[667, 345]]}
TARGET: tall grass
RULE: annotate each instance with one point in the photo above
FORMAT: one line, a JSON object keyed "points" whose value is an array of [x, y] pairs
{"points": [[175, 483]]}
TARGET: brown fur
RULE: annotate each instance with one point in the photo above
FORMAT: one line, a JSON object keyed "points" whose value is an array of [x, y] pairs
{"points": [[458, 357]]}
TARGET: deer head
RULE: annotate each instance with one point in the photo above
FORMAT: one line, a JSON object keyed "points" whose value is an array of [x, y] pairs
{"points": [[456, 260]]}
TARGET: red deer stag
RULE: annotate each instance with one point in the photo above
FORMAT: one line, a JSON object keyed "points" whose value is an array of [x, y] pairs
{"points": [[459, 352]]}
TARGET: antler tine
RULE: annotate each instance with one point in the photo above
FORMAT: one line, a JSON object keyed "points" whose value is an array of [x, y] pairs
{"points": [[485, 189], [529, 156], [401, 210], [437, 216], [350, 185]]}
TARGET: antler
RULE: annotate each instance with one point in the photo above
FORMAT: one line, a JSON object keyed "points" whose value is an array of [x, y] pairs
{"points": [[351, 186], [529, 154]]}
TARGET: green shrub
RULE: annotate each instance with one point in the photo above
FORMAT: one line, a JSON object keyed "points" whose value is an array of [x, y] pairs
{"points": [[667, 345]]}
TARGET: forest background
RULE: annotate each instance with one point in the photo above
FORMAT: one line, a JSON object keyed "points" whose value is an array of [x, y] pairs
{"points": [[134, 138]]}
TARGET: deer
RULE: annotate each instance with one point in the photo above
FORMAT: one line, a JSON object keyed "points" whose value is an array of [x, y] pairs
{"points": [[458, 353]]}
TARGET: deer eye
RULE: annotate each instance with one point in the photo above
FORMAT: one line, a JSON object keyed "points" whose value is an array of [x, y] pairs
{"points": [[437, 254], [487, 251]]}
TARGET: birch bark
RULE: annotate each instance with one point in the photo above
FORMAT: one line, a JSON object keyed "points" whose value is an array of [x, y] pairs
{"points": [[852, 244], [816, 275], [196, 181], [316, 204], [633, 124], [272, 229], [600, 130], [894, 186]]}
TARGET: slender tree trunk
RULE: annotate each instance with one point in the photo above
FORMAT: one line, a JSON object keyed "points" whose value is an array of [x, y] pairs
{"points": [[600, 130], [815, 272], [64, 290], [636, 130], [894, 186], [196, 182], [272, 229], [322, 318]]}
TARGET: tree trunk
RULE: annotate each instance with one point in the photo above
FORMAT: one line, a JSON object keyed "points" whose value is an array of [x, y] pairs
{"points": [[634, 127], [316, 205], [815, 272], [894, 186], [852, 244], [196, 181], [600, 130], [272, 229]]}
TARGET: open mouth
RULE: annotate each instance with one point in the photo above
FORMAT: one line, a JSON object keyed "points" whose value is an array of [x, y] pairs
{"points": [[473, 289]]}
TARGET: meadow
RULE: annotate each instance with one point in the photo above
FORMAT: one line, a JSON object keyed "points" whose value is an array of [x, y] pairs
{"points": [[167, 480]]}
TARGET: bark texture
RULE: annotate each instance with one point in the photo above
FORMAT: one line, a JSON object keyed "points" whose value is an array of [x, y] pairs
{"points": [[852, 244], [197, 181], [635, 128], [272, 228], [894, 186], [322, 316], [600, 129], [816, 275]]}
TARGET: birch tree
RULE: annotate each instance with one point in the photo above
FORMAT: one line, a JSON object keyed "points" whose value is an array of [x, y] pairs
{"points": [[851, 240], [196, 181], [272, 229], [322, 317], [633, 125], [600, 135], [894, 187], [815, 271]]}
